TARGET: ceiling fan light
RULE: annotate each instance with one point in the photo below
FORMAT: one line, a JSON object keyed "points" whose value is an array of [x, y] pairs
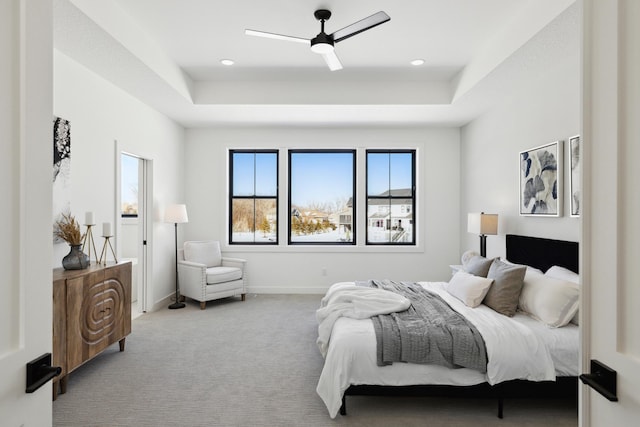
{"points": [[322, 48], [322, 44]]}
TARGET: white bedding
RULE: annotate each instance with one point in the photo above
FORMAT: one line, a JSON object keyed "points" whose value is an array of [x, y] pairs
{"points": [[517, 348], [357, 302]]}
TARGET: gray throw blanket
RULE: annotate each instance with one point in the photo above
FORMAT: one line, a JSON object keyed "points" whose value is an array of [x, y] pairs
{"points": [[428, 332]]}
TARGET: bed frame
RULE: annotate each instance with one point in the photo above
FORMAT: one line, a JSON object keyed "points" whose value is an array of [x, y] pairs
{"points": [[534, 251]]}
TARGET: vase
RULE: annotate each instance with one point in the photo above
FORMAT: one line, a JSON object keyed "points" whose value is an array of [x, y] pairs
{"points": [[75, 259]]}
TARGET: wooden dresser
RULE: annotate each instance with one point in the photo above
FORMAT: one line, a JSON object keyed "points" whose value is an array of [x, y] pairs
{"points": [[91, 311]]}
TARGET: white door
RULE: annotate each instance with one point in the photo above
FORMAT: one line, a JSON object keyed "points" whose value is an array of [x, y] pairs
{"points": [[146, 236], [131, 216], [26, 120], [611, 218]]}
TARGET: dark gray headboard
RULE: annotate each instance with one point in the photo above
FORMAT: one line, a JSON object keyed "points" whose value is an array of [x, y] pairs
{"points": [[542, 253]]}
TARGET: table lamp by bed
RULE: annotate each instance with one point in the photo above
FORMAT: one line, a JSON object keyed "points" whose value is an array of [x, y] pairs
{"points": [[177, 214], [483, 224]]}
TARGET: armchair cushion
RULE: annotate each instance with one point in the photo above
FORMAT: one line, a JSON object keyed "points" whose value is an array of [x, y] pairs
{"points": [[223, 274], [203, 252]]}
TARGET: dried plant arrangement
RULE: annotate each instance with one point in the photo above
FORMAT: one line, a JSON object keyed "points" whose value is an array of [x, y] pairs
{"points": [[68, 229]]}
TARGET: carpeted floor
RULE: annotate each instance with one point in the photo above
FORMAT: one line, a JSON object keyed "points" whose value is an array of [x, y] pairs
{"points": [[252, 363]]}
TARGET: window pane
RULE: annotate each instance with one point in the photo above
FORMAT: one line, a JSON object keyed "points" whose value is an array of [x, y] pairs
{"points": [[401, 221], [266, 174], [389, 220], [129, 185], [378, 221], [322, 190], [254, 221], [243, 174], [377, 174], [400, 178]]}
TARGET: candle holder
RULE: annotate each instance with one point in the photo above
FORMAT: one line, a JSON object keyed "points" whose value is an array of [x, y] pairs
{"points": [[107, 241], [88, 242]]}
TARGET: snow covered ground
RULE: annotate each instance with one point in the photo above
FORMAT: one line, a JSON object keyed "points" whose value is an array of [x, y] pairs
{"points": [[329, 236]]}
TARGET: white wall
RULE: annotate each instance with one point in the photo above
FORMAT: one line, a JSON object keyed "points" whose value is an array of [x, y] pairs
{"points": [[298, 269], [100, 114], [542, 107], [129, 238]]}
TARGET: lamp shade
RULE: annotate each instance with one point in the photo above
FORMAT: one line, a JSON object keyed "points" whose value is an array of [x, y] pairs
{"points": [[176, 214], [482, 223]]}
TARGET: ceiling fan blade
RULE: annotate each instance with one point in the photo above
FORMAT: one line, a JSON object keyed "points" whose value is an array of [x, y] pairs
{"points": [[332, 61], [360, 26], [276, 36]]}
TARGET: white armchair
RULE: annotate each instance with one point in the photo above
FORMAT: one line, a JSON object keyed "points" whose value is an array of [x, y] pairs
{"points": [[204, 274]]}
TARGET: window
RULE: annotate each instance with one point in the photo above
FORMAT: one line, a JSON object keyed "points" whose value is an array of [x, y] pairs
{"points": [[253, 197], [129, 172], [321, 195], [391, 197]]}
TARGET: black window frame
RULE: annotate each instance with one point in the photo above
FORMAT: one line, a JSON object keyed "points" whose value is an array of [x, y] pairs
{"points": [[354, 217], [254, 197], [390, 197]]}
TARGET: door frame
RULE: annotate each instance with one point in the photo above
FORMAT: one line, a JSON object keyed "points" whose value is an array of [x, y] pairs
{"points": [[145, 223]]}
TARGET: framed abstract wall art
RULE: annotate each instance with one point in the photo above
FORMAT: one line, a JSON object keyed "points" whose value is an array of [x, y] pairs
{"points": [[61, 170], [541, 180], [576, 171]]}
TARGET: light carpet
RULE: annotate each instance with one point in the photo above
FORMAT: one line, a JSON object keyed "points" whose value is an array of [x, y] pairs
{"points": [[252, 363]]}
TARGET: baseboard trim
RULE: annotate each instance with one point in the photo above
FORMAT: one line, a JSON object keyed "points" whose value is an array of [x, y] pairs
{"points": [[166, 301], [162, 304], [285, 290]]}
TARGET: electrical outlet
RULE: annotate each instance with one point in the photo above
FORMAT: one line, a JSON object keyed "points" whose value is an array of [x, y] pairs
{"points": [[324, 271]]}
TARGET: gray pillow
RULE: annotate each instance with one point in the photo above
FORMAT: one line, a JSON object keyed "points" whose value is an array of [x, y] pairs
{"points": [[505, 292], [478, 266]]}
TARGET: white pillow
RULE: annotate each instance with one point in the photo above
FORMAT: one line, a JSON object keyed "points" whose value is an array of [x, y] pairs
{"points": [[565, 274], [576, 318], [550, 300], [467, 256], [468, 288], [562, 273]]}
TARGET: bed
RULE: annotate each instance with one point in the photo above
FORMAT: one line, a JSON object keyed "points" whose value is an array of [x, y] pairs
{"points": [[544, 362]]}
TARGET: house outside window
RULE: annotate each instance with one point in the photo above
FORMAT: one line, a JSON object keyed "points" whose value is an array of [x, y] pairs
{"points": [[391, 197], [321, 194], [253, 213]]}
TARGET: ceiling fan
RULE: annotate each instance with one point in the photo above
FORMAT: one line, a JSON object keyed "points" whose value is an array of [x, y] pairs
{"points": [[323, 43]]}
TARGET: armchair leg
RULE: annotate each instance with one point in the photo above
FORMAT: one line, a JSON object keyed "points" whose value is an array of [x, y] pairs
{"points": [[203, 305], [243, 296]]}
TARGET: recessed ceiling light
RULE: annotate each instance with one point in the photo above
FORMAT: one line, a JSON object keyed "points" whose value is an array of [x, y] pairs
{"points": [[226, 62], [417, 62]]}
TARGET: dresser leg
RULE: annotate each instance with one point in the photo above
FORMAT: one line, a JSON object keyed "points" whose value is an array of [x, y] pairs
{"points": [[63, 384], [121, 343]]}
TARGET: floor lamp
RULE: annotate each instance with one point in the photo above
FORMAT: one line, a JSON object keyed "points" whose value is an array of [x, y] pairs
{"points": [[177, 214], [483, 224]]}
